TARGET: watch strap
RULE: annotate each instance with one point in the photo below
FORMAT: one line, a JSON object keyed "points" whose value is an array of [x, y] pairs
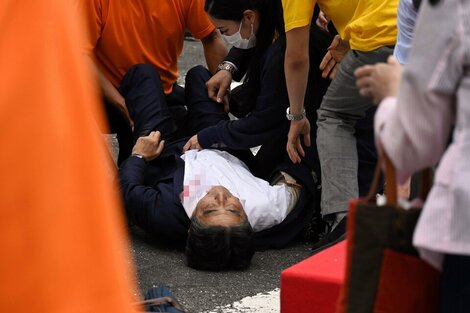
{"points": [[227, 66], [295, 117]]}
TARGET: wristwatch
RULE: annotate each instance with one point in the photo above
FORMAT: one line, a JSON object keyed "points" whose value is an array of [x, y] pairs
{"points": [[227, 66], [295, 117]]}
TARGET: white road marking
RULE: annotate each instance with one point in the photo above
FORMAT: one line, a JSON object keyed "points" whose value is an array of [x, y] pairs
{"points": [[266, 302]]}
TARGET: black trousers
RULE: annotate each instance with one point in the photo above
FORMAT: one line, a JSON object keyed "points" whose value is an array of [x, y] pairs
{"points": [[148, 107], [455, 284]]}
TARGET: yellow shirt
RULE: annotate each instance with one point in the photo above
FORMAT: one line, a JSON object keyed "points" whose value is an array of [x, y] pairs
{"points": [[366, 24]]}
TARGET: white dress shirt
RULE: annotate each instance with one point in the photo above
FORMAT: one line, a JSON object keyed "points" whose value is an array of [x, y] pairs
{"points": [[264, 205]]}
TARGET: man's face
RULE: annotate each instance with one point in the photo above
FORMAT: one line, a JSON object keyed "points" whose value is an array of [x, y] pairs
{"points": [[220, 208]]}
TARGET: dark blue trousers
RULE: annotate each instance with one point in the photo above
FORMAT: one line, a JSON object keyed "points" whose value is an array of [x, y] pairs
{"points": [[149, 108]]}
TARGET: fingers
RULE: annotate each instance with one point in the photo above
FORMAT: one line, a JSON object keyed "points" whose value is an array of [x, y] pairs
{"points": [[217, 86], [325, 60], [160, 147], [307, 141], [365, 70], [221, 94], [191, 144], [299, 149], [329, 69], [155, 136], [186, 146], [292, 152], [211, 91], [392, 60], [364, 82], [322, 22], [333, 72], [366, 86]]}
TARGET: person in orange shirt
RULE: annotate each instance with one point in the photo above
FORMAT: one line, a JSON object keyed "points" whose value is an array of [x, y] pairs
{"points": [[62, 237], [135, 46]]}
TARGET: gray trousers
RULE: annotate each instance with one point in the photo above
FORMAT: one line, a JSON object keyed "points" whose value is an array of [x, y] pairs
{"points": [[341, 107]]}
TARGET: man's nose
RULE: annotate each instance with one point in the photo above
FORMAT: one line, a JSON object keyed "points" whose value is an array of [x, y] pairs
{"points": [[221, 196]]}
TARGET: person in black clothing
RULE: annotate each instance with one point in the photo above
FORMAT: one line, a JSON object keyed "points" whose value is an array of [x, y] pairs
{"points": [[260, 105], [235, 66], [152, 185]]}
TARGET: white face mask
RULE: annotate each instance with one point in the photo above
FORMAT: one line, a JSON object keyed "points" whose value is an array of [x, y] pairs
{"points": [[237, 41]]}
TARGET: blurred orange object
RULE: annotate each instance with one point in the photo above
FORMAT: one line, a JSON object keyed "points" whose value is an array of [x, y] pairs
{"points": [[62, 240]]}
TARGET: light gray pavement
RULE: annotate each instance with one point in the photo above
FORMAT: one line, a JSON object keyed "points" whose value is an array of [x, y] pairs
{"points": [[207, 291]]}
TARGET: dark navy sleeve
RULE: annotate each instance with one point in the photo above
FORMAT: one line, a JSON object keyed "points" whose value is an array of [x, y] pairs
{"points": [[138, 198], [267, 118], [241, 58], [154, 208]]}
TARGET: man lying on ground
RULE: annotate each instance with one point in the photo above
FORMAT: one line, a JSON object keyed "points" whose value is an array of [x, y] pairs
{"points": [[209, 200]]}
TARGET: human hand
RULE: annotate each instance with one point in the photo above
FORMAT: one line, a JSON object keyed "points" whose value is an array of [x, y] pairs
{"points": [[294, 146], [335, 54], [322, 21], [122, 108], [380, 80], [150, 147], [192, 143], [218, 85]]}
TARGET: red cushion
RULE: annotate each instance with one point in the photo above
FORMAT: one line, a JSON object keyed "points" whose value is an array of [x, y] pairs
{"points": [[313, 285]]}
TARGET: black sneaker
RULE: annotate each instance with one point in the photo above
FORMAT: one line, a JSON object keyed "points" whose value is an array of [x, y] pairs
{"points": [[332, 237], [315, 229]]}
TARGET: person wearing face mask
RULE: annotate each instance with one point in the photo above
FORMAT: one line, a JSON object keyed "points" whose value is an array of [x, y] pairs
{"points": [[236, 40], [260, 104]]}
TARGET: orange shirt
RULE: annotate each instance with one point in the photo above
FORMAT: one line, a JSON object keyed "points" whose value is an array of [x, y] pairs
{"points": [[123, 33], [62, 238]]}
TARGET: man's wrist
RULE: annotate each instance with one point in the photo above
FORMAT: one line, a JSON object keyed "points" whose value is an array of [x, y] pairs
{"points": [[138, 155]]}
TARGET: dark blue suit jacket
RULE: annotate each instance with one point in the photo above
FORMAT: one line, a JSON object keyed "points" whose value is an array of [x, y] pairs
{"points": [[152, 198]]}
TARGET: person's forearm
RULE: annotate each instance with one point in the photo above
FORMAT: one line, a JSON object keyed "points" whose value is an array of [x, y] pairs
{"points": [[109, 91], [296, 67], [214, 50], [296, 80]]}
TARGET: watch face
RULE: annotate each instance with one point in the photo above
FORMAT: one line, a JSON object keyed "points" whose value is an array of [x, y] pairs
{"points": [[226, 67]]}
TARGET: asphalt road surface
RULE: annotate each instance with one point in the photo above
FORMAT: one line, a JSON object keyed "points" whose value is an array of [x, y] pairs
{"points": [[253, 290]]}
